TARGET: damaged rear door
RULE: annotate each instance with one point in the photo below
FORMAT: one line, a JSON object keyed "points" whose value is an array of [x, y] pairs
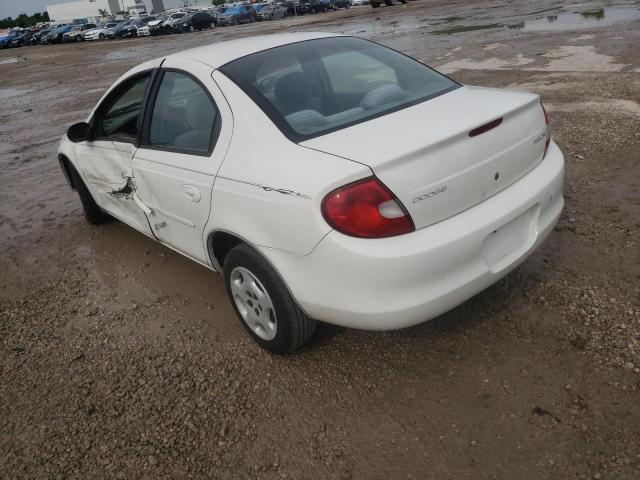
{"points": [[107, 162]]}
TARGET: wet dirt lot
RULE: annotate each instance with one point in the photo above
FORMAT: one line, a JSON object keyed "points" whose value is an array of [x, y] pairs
{"points": [[121, 359]]}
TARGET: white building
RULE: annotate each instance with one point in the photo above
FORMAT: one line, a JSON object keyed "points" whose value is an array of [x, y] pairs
{"points": [[64, 12], [186, 3]]}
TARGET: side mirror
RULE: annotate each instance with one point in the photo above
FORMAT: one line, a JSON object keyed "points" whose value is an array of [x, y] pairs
{"points": [[79, 132]]}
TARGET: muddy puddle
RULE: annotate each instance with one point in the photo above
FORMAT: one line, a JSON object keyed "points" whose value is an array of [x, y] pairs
{"points": [[6, 93], [5, 61], [558, 21], [600, 17]]}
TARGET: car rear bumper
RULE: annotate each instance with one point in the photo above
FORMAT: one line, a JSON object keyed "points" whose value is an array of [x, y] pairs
{"points": [[397, 282]]}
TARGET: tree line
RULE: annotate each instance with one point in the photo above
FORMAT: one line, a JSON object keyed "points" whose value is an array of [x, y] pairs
{"points": [[23, 20]]}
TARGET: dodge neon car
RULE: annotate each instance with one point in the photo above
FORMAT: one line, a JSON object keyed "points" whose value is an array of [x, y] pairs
{"points": [[326, 177]]}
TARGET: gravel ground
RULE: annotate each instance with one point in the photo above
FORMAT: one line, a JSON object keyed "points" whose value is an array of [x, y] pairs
{"points": [[121, 359]]}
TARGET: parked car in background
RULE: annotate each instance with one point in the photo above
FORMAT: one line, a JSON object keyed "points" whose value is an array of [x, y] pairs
{"points": [[298, 8], [131, 30], [39, 34], [100, 32], [218, 12], [154, 27], [17, 38], [76, 33], [57, 35], [196, 21], [114, 32], [5, 40], [272, 12], [341, 4], [184, 25], [174, 23], [236, 15], [42, 39], [319, 6]]}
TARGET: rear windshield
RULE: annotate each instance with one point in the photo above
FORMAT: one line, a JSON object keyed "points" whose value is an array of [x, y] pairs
{"points": [[314, 87]]}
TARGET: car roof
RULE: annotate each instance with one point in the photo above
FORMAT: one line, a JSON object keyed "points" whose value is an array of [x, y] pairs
{"points": [[221, 53]]}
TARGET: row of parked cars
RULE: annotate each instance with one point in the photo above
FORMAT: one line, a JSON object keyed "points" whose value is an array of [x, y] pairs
{"points": [[177, 22]]}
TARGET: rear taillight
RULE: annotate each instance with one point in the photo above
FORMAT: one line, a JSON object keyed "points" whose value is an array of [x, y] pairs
{"points": [[548, 141], [366, 209]]}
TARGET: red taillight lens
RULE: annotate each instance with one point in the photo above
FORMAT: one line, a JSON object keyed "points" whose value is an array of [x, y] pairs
{"points": [[546, 120], [366, 209]]}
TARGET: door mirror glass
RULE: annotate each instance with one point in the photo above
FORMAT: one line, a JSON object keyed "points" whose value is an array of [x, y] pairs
{"points": [[79, 132]]}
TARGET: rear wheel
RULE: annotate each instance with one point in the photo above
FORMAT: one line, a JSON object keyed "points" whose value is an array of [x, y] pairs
{"points": [[101, 36], [263, 303], [92, 212]]}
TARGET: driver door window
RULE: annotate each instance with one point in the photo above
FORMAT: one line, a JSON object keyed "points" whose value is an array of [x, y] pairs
{"points": [[119, 119]]}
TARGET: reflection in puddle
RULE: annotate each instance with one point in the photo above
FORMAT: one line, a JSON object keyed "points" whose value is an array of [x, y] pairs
{"points": [[600, 17], [560, 21]]}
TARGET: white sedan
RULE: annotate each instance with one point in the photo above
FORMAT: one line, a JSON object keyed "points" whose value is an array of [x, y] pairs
{"points": [[326, 177]]}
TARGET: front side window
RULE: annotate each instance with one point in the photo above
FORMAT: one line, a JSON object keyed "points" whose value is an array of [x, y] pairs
{"points": [[183, 116], [119, 118], [318, 86]]}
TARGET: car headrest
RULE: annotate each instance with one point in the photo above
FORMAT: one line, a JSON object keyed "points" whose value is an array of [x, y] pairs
{"points": [[384, 94], [293, 91]]}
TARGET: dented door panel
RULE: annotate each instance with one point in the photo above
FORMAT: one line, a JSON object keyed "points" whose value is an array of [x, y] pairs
{"points": [[106, 167]]}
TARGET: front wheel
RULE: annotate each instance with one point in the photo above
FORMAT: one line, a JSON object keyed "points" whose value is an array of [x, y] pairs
{"points": [[263, 303], [92, 212], [101, 36]]}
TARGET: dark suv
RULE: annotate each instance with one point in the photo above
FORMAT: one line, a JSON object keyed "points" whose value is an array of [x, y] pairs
{"points": [[317, 6], [197, 21]]}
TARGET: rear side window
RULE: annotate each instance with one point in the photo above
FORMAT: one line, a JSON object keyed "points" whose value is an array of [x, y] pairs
{"points": [[183, 115], [319, 86]]}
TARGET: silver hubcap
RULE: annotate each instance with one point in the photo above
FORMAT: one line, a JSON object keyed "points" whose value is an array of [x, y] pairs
{"points": [[253, 303]]}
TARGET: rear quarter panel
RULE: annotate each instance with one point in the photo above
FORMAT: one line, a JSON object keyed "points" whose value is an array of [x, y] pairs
{"points": [[269, 190]]}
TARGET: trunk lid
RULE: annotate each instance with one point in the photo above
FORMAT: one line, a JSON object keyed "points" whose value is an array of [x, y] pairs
{"points": [[427, 158]]}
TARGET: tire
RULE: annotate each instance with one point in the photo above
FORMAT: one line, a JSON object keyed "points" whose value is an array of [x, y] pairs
{"points": [[101, 36], [293, 328], [92, 212]]}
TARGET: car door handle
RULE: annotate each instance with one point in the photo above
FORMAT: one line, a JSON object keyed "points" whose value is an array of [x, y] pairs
{"points": [[191, 192]]}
